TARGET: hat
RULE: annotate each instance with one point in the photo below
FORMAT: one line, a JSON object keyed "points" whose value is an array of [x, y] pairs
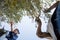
{"points": [[17, 31]]}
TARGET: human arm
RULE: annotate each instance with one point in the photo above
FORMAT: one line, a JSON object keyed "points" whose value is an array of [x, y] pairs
{"points": [[53, 6], [11, 23], [39, 33]]}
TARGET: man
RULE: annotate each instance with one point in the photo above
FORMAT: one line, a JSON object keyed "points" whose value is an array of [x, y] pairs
{"points": [[55, 19], [12, 34], [54, 29]]}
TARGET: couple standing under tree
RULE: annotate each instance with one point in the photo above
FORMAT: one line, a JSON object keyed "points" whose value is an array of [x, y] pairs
{"points": [[53, 26]]}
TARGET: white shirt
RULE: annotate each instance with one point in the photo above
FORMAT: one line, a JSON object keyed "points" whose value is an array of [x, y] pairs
{"points": [[50, 30]]}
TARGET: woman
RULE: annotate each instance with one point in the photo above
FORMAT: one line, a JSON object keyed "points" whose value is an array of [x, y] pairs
{"points": [[12, 34]]}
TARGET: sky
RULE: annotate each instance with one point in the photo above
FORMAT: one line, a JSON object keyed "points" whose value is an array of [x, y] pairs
{"points": [[27, 28]]}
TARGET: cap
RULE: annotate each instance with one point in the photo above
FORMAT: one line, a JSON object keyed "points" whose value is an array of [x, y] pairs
{"points": [[18, 31]]}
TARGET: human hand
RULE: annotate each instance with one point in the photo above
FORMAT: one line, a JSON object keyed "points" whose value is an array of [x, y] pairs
{"points": [[46, 10], [11, 23]]}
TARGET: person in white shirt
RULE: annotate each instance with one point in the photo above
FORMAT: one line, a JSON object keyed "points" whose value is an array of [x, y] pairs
{"points": [[55, 19], [53, 27]]}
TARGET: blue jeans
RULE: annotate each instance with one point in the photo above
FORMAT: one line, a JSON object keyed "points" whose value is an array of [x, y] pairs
{"points": [[56, 21], [11, 36], [58, 18]]}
